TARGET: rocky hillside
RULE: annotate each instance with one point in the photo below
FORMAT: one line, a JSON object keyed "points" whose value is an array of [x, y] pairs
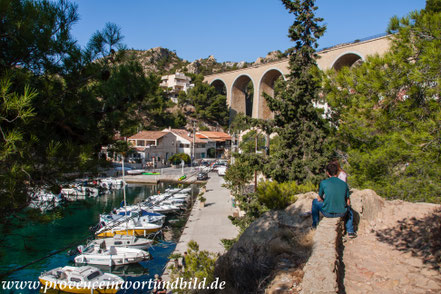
{"points": [[398, 249], [163, 61]]}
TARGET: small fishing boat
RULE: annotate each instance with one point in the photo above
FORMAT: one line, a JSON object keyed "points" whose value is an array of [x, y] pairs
{"points": [[84, 279], [185, 190], [172, 190], [111, 183], [45, 200], [175, 203], [124, 241], [133, 172], [180, 196], [163, 208], [110, 255], [132, 227], [133, 211]]}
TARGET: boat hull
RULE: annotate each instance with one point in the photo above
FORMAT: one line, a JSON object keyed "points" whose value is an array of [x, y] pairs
{"points": [[85, 259], [130, 232], [65, 288]]}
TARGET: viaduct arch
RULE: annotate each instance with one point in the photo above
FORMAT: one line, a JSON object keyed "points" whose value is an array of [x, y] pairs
{"points": [[245, 87]]}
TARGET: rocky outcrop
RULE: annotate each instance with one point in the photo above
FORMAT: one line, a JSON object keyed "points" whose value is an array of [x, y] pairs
{"points": [[279, 254], [275, 246], [157, 60]]}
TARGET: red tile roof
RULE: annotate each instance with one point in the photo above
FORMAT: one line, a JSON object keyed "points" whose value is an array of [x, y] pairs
{"points": [[148, 135], [185, 134], [216, 136]]}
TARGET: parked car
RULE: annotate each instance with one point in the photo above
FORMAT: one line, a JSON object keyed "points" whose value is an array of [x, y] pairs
{"points": [[202, 176], [221, 170]]}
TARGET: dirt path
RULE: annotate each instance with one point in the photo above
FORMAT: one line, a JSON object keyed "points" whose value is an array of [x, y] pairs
{"points": [[396, 253]]}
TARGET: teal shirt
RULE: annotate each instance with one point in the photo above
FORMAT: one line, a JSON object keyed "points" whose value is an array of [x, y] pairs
{"points": [[335, 193]]}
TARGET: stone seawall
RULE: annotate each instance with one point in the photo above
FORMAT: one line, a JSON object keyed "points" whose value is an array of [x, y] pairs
{"points": [[323, 267]]}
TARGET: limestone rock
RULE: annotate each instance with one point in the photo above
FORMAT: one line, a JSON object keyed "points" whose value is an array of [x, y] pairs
{"points": [[259, 60], [272, 56], [274, 241], [241, 64]]}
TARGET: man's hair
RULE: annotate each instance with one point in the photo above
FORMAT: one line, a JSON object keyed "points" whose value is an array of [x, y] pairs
{"points": [[332, 169]]}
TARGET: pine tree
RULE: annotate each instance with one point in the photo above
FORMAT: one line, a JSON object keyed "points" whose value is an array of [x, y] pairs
{"points": [[388, 111], [299, 124]]}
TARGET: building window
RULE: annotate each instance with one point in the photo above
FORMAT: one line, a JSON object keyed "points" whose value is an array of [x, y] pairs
{"points": [[140, 143]]}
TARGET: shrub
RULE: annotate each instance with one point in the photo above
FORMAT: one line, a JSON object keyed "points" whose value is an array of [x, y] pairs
{"points": [[199, 264], [278, 196], [176, 158]]}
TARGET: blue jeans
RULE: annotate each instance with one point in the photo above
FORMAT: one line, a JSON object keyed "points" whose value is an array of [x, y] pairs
{"points": [[317, 206]]}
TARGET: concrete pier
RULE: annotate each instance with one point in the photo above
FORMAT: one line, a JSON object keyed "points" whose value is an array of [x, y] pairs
{"points": [[208, 225]]}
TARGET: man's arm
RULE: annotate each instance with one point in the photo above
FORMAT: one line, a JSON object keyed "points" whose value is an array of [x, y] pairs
{"points": [[348, 196]]}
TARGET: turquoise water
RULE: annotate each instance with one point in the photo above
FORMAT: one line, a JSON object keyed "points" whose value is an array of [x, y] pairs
{"points": [[25, 241]]}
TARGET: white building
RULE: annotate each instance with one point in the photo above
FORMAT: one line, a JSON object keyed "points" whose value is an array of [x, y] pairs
{"points": [[153, 146], [184, 143], [175, 83]]}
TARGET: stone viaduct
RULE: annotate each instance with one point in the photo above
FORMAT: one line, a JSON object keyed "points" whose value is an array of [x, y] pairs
{"points": [[263, 76]]}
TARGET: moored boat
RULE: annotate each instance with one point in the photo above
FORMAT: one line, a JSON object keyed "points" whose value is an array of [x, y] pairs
{"points": [[110, 255], [84, 279], [131, 227], [124, 241]]}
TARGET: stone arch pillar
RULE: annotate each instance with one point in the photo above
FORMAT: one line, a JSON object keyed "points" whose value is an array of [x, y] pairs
{"points": [[220, 86], [266, 85], [238, 103], [346, 59]]}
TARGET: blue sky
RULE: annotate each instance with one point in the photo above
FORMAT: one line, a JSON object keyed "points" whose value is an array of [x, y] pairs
{"points": [[231, 30]]}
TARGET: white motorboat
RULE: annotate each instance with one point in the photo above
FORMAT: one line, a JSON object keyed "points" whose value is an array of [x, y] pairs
{"points": [[132, 227], [178, 204], [172, 190], [180, 196], [129, 212], [185, 190], [110, 255], [159, 197], [111, 183], [45, 200], [133, 172], [162, 208], [124, 241], [84, 279], [79, 192]]}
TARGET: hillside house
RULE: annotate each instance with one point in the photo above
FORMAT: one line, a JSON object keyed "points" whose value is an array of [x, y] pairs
{"points": [[175, 83], [153, 146]]}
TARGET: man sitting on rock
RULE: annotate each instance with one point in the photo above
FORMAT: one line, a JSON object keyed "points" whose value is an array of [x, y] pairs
{"points": [[333, 200]]}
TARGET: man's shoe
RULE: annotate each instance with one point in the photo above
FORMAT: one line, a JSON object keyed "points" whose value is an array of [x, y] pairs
{"points": [[352, 235]]}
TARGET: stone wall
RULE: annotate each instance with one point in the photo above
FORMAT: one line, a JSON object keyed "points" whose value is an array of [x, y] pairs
{"points": [[321, 270]]}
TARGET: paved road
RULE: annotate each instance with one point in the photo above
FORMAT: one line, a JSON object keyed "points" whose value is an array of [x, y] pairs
{"points": [[208, 225]]}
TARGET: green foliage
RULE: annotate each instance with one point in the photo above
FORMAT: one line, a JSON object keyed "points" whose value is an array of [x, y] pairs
{"points": [[228, 243], [176, 158], [248, 143], [84, 97], [303, 133], [276, 196], [388, 112], [199, 264], [210, 106], [15, 112]]}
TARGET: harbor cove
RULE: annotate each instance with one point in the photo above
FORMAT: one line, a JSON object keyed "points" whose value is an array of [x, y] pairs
{"points": [[272, 147], [27, 239]]}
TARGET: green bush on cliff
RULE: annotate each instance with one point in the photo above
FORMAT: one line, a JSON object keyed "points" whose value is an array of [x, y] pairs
{"points": [[278, 196], [199, 264]]}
